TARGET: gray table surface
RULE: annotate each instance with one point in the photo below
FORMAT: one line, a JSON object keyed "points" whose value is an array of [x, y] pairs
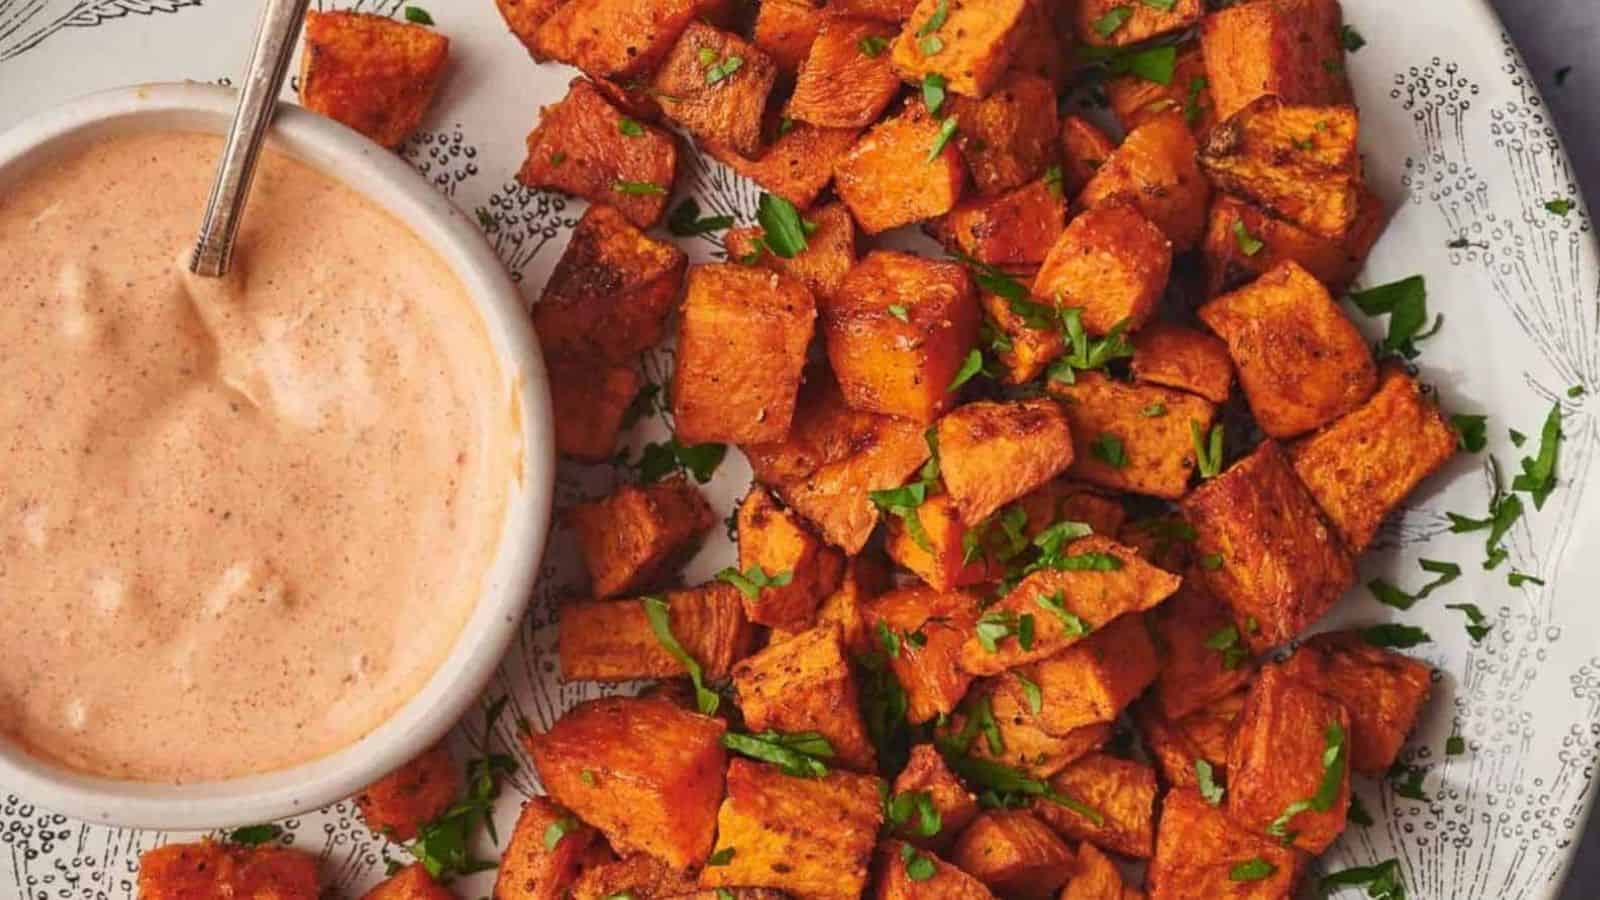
{"points": [[1560, 40]]}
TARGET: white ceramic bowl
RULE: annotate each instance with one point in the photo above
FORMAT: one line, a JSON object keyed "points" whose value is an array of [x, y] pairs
{"points": [[387, 181]]}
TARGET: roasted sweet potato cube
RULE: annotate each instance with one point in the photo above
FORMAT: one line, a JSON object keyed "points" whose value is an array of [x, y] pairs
{"points": [[1091, 681], [824, 430], [1155, 170], [636, 875], [1132, 437], [836, 497], [926, 772], [1039, 49], [1278, 759], [620, 39], [896, 11], [1175, 744], [941, 553], [742, 338], [1009, 230], [810, 837], [1097, 878], [1184, 358], [898, 331], [1069, 603], [1112, 23], [611, 640], [1014, 853], [1362, 465], [775, 541], [1243, 243], [1282, 565], [1030, 344], [1110, 262], [1302, 363], [1287, 48], [1135, 99], [902, 171], [1383, 691], [797, 165], [1198, 847], [633, 539], [209, 869], [928, 669], [841, 84], [968, 42], [805, 684], [410, 883], [905, 873], [524, 17], [1004, 139], [1163, 540], [1016, 738], [1122, 792], [587, 404], [529, 870], [578, 147], [400, 802], [1298, 162], [654, 774], [865, 576], [991, 453], [784, 30], [1084, 149], [370, 72], [829, 254], [715, 85], [1205, 657], [1064, 499], [609, 295]]}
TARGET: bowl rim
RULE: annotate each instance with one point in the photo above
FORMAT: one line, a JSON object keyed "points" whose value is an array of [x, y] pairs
{"points": [[383, 178]]}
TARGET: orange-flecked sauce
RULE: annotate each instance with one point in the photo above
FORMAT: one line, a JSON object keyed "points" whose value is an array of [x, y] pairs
{"points": [[242, 520]]}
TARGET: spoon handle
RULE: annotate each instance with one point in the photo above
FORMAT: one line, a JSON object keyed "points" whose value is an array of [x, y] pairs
{"points": [[269, 62]]}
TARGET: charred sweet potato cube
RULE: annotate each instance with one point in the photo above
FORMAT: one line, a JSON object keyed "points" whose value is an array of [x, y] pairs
{"points": [[210, 869], [797, 165], [991, 453], [619, 39], [829, 254], [524, 17], [1363, 464], [636, 875], [609, 295], [1004, 137], [841, 84], [926, 772], [1287, 48], [742, 338], [1176, 744], [1030, 345], [1121, 791], [968, 42], [942, 554], [1383, 691], [1282, 565], [1185, 358], [1014, 853], [898, 330], [784, 30], [1093, 680], [1009, 230], [927, 668], [1132, 437], [1243, 242], [587, 404], [1135, 99], [529, 870], [1205, 657], [1198, 846], [578, 147], [1097, 878], [1110, 262], [895, 11], [902, 171], [809, 837], [1113, 23], [1099, 580], [836, 496], [654, 774], [1155, 170], [634, 538], [611, 640], [370, 72], [1278, 759], [400, 802], [775, 541], [1084, 149], [1302, 363], [715, 85], [410, 883], [805, 684], [905, 873], [1300, 163]]}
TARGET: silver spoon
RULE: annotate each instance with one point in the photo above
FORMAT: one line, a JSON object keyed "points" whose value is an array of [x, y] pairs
{"points": [[269, 62]]}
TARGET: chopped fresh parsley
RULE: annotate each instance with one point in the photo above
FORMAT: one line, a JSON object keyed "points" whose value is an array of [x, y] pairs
{"points": [[1225, 640], [918, 867], [1209, 789], [1192, 107], [785, 125], [418, 16], [1248, 243], [1207, 450], [1455, 745], [751, 581], [1056, 604], [1477, 623], [1211, 561], [658, 459], [1253, 869], [722, 857], [970, 367], [1001, 783], [632, 188], [560, 828], [997, 625], [998, 282], [558, 157], [900, 312], [947, 130], [1163, 5], [930, 45], [1575, 391], [1538, 477], [1471, 432], [1382, 880], [1334, 752], [800, 754], [1405, 302], [254, 835], [1031, 694], [1518, 579], [630, 128], [1351, 38], [1053, 177], [1389, 595], [1395, 635], [899, 809], [1358, 813], [1114, 19], [1086, 354], [783, 230], [933, 85], [1155, 64], [724, 68], [1154, 410], [1560, 206], [1407, 781], [685, 220], [443, 846], [872, 45], [659, 615], [1108, 449]]}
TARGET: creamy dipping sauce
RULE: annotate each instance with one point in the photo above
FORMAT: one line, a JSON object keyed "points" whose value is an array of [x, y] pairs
{"points": [[242, 521]]}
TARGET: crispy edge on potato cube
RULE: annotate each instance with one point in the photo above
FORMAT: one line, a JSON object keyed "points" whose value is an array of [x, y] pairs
{"points": [[797, 165], [1235, 226], [839, 85], [1299, 163], [1014, 853], [901, 367], [1287, 48], [991, 453], [1197, 846], [829, 255], [1184, 358], [620, 39], [1155, 170], [805, 684], [784, 30], [774, 539], [811, 837], [1028, 349], [742, 338], [578, 148], [1194, 673], [701, 88], [968, 42], [929, 670], [1010, 230], [402, 801], [902, 171], [836, 497], [209, 869], [1093, 680], [655, 774], [410, 883], [529, 870], [634, 538], [927, 772], [1085, 147], [949, 560], [1135, 99], [1132, 437], [1005, 138], [523, 18], [609, 295], [1040, 50], [1384, 692], [612, 641], [1301, 361], [935, 879], [370, 72], [895, 11], [1092, 21], [636, 875], [1362, 465], [1097, 878], [1110, 262], [1122, 791], [587, 405]]}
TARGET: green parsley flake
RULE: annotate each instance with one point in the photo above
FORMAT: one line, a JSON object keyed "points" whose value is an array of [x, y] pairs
{"points": [[1249, 245], [1382, 880], [722, 857], [941, 12], [1226, 641], [783, 230], [1477, 623], [1108, 449], [1114, 19], [630, 128], [1538, 477], [918, 867], [1455, 745], [1389, 595], [1053, 178], [254, 835], [637, 188], [1471, 432], [1334, 752], [1518, 579], [1030, 692], [685, 220], [1209, 789], [555, 831], [1253, 869], [970, 367], [900, 312], [753, 580], [933, 85], [1351, 38], [1207, 450], [1163, 5], [418, 16], [1072, 625], [1154, 410], [1395, 635], [1560, 206], [722, 70], [658, 614], [1405, 302], [872, 45], [799, 755], [947, 130]]}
